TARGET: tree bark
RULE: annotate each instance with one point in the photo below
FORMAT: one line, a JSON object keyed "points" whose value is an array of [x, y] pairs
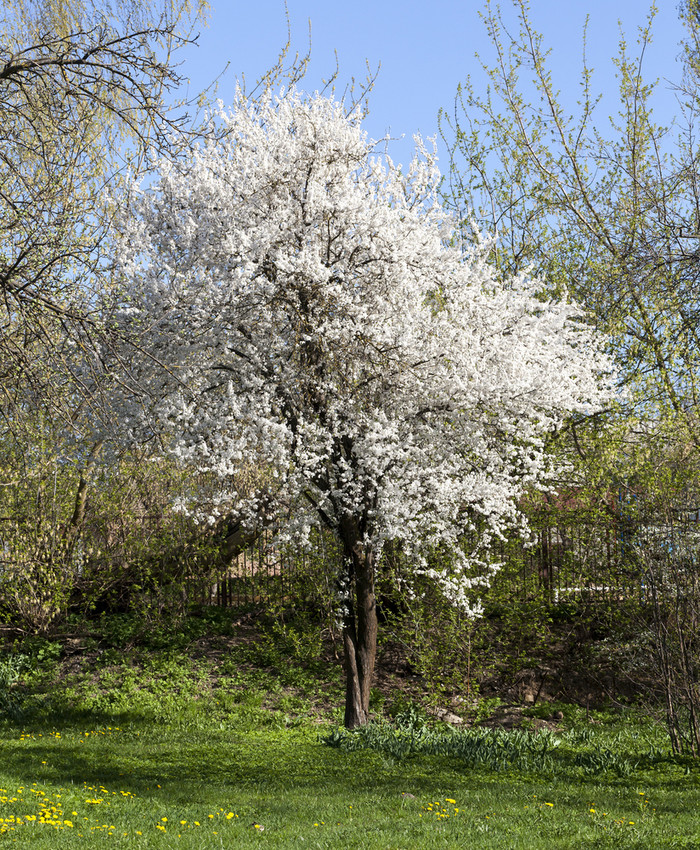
{"points": [[82, 491], [359, 629]]}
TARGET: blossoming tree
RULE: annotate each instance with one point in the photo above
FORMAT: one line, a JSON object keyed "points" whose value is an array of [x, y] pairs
{"points": [[305, 306]]}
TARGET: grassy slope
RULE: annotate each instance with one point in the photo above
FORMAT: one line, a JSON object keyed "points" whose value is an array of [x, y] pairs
{"points": [[171, 746]]}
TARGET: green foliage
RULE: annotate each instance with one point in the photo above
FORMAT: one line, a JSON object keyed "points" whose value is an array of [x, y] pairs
{"points": [[143, 555], [41, 554], [407, 715], [296, 641], [311, 579], [83, 534], [671, 557], [539, 752], [436, 636], [11, 668]]}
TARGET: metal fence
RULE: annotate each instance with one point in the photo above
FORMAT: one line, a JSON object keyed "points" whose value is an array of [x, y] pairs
{"points": [[266, 573], [584, 560]]}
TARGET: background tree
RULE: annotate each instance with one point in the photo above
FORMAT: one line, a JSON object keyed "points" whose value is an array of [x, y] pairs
{"points": [[312, 315], [87, 91], [89, 96], [609, 209]]}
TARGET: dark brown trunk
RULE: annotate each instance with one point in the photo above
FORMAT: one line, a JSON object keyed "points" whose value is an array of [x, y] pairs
{"points": [[73, 530], [359, 630]]}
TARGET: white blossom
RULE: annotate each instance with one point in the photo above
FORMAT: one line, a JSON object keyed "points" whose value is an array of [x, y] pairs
{"points": [[307, 307]]}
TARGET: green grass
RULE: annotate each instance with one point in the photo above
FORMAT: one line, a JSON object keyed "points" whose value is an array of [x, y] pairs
{"points": [[163, 748]]}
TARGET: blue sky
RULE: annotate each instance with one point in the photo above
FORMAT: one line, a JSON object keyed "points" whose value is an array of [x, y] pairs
{"points": [[425, 49]]}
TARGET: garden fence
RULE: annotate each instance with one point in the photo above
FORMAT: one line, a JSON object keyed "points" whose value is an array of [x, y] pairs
{"points": [[585, 561], [267, 573]]}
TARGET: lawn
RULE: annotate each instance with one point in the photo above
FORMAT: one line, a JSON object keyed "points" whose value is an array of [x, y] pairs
{"points": [[162, 746]]}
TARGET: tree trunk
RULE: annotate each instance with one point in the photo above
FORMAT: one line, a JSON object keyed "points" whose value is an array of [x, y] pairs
{"points": [[359, 629], [82, 491]]}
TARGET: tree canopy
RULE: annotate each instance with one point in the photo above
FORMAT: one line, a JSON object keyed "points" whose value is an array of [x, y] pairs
{"points": [[308, 307]]}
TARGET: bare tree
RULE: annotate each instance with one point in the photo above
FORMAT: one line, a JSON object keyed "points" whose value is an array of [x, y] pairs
{"points": [[86, 94]]}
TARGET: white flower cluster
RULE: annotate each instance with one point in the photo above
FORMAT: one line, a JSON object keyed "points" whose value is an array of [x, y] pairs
{"points": [[306, 307]]}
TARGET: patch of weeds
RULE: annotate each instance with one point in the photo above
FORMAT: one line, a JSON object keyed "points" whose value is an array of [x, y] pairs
{"points": [[484, 708], [169, 631], [407, 714], [377, 701], [119, 631], [39, 653], [534, 753], [299, 639], [292, 704], [11, 669]]}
